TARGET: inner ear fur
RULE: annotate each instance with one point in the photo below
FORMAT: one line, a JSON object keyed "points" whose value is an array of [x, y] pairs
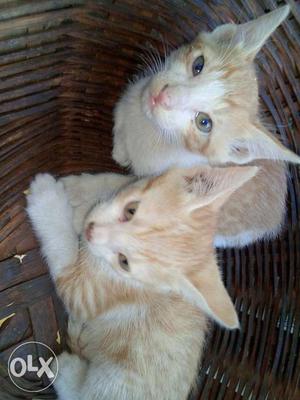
{"points": [[258, 143], [213, 185], [251, 36], [206, 290]]}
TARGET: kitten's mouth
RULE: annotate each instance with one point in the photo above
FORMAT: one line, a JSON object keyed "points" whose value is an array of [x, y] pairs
{"points": [[159, 113]]}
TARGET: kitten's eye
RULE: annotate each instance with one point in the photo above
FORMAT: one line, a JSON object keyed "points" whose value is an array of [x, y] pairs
{"points": [[203, 122], [123, 262], [198, 65], [130, 210]]}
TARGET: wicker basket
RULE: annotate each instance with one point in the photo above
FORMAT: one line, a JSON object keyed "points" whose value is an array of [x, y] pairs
{"points": [[63, 64]]}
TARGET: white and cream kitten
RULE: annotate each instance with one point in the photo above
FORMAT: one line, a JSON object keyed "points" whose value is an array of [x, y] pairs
{"points": [[139, 286], [202, 108]]}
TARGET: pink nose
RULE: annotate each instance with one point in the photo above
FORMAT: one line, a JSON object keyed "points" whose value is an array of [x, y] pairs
{"points": [[162, 98], [88, 231]]}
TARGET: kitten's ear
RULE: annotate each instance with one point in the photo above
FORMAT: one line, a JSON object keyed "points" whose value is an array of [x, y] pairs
{"points": [[206, 290], [252, 35], [258, 143], [214, 185]]}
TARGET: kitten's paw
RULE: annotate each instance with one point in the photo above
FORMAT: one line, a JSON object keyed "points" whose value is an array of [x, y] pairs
{"points": [[42, 183], [45, 185], [66, 360], [120, 155], [71, 375], [71, 366], [46, 198]]}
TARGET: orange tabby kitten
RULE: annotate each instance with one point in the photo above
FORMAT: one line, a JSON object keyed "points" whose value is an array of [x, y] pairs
{"points": [[202, 108], [140, 285]]}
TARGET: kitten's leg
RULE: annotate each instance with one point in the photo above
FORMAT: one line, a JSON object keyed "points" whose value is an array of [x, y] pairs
{"points": [[120, 153], [51, 217], [71, 376], [85, 190]]}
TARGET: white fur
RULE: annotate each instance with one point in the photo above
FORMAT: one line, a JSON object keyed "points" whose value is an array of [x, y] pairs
{"points": [[241, 240], [51, 217], [245, 238], [71, 376]]}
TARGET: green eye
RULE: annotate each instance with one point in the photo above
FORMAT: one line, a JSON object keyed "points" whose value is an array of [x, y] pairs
{"points": [[123, 262], [198, 65], [203, 122]]}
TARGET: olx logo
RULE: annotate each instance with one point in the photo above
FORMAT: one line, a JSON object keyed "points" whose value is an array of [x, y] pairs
{"points": [[19, 365]]}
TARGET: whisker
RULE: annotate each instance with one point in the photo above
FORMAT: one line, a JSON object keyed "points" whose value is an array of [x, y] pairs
{"points": [[151, 57]]}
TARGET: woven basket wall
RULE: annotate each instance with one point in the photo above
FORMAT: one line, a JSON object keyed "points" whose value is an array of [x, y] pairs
{"points": [[63, 65]]}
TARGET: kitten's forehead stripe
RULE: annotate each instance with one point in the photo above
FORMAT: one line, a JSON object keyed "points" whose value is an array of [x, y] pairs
{"points": [[197, 44], [188, 55], [231, 103]]}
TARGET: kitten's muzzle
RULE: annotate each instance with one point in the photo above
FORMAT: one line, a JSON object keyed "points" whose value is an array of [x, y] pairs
{"points": [[161, 99]]}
